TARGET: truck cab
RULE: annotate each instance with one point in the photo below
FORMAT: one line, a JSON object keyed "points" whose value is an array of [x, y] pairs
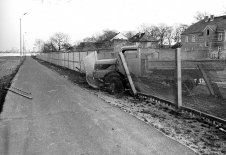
{"points": [[114, 73]]}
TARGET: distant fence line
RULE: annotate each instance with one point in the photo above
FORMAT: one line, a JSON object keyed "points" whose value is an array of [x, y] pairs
{"points": [[73, 60]]}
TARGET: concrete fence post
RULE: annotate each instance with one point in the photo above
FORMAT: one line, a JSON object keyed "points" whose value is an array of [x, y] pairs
{"points": [[179, 79], [79, 59], [68, 59], [73, 63], [64, 58], [58, 63]]}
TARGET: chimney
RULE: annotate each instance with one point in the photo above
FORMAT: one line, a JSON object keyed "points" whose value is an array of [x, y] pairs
{"points": [[206, 19], [211, 18]]}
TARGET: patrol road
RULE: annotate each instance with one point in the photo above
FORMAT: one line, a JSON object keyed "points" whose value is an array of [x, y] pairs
{"points": [[61, 118]]}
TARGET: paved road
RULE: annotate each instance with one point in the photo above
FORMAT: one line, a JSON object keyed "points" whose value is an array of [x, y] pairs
{"points": [[63, 119]]}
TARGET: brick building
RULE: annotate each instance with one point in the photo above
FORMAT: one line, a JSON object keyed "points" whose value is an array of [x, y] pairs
{"points": [[206, 38]]}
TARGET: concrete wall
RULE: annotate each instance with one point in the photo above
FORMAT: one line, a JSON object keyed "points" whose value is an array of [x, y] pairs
{"points": [[72, 60], [68, 60], [169, 54]]}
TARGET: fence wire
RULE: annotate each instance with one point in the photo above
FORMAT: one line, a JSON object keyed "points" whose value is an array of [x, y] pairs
{"points": [[203, 81]]}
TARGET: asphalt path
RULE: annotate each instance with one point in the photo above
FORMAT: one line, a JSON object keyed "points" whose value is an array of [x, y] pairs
{"points": [[63, 119]]}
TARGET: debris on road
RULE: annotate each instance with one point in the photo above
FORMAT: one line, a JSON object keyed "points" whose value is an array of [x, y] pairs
{"points": [[19, 92]]}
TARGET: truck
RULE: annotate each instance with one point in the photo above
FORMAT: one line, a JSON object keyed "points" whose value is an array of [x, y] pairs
{"points": [[122, 71]]}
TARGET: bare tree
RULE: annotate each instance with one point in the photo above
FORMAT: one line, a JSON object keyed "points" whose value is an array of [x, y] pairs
{"points": [[129, 34], [107, 34], [200, 15], [48, 47], [162, 33], [68, 47], [93, 38], [163, 28], [178, 30], [90, 39], [39, 44], [169, 35], [59, 39], [152, 31]]}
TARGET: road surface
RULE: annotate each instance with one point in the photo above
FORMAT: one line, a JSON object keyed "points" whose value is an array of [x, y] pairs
{"points": [[63, 119]]}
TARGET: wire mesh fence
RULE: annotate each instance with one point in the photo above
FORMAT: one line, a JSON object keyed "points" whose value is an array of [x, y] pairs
{"points": [[208, 91], [203, 81]]}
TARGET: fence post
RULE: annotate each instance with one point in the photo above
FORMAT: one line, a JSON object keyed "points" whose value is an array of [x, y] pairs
{"points": [[179, 79], [63, 58], [73, 63], [60, 57], [68, 60], [79, 61]]}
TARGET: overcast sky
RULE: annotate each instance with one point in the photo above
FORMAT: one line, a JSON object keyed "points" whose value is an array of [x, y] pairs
{"points": [[82, 18]]}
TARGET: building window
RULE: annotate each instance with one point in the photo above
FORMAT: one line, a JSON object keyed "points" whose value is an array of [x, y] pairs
{"points": [[207, 32], [220, 36], [219, 48], [186, 38], [206, 44], [193, 38]]}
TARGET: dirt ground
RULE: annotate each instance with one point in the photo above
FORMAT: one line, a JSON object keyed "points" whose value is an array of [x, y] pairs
{"points": [[190, 131], [8, 69]]}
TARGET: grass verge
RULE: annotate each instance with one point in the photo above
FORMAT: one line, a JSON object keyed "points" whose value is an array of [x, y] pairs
{"points": [[5, 81]]}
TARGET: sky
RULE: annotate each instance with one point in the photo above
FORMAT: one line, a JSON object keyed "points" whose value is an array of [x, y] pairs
{"points": [[83, 18]]}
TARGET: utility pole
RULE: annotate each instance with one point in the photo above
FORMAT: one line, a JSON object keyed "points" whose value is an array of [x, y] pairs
{"points": [[20, 41], [24, 47], [21, 36]]}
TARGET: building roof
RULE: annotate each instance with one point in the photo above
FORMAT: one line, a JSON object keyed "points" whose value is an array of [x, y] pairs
{"points": [[107, 38], [142, 37], [119, 36], [218, 24]]}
